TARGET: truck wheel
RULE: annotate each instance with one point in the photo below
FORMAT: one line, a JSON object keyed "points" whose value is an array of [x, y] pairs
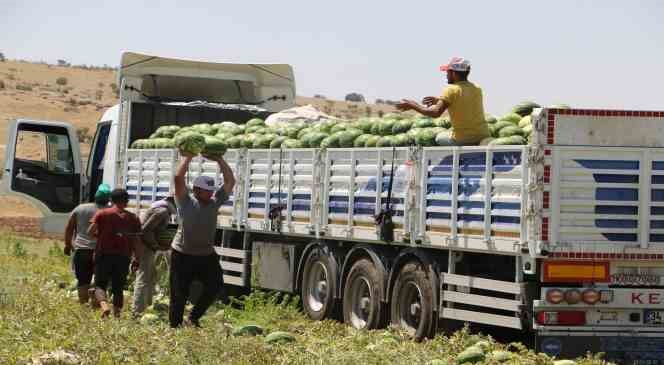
{"points": [[411, 307], [361, 302], [318, 286]]}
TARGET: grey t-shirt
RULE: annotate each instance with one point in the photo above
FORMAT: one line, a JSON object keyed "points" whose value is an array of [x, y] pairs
{"points": [[84, 213], [197, 224]]}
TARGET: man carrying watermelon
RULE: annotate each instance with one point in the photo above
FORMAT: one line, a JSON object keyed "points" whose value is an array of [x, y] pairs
{"points": [[463, 101], [193, 256]]}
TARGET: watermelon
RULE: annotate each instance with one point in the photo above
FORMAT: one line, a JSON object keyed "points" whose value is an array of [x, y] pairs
{"points": [[167, 131], [331, 141], [402, 126], [326, 126], [257, 129], [525, 108], [277, 142], [315, 139], [402, 140], [470, 355], [249, 139], [394, 116], [443, 138], [364, 125], [385, 141], [279, 337], [442, 122], [361, 140], [510, 131], [263, 141], [490, 118], [190, 142], [255, 122], [486, 141], [339, 127], [227, 128], [149, 319], [204, 128], [423, 123], [292, 143], [560, 106], [440, 362], [425, 137], [500, 356], [517, 139], [372, 141], [527, 130], [511, 117], [385, 127], [504, 141], [235, 141], [502, 124], [214, 147], [564, 362], [303, 132], [347, 138], [493, 131], [163, 143], [525, 121], [249, 329], [140, 144]]}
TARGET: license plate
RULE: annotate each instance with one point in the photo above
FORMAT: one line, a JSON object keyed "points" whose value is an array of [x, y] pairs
{"points": [[653, 317]]}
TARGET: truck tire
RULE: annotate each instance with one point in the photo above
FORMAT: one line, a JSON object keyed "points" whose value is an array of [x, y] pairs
{"points": [[412, 307], [318, 286], [362, 307]]}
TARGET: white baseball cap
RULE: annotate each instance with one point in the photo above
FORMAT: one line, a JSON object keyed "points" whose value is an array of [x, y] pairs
{"points": [[456, 64], [205, 183]]}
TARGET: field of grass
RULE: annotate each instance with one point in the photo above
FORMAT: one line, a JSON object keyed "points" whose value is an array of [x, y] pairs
{"points": [[40, 315]]}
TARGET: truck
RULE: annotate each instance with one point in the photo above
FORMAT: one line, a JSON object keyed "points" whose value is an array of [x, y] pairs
{"points": [[561, 240]]}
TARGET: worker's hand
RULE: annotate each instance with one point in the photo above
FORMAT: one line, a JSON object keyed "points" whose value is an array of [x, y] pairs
{"points": [[68, 250], [405, 105], [430, 100]]}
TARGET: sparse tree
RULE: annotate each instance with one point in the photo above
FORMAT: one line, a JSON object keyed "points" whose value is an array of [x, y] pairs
{"points": [[319, 96], [62, 81], [83, 134], [63, 63], [367, 111], [356, 97], [380, 101], [98, 94], [2, 57]]}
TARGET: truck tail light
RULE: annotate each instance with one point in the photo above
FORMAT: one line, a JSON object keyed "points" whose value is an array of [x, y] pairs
{"points": [[576, 271], [590, 296], [555, 296], [572, 296], [562, 318]]}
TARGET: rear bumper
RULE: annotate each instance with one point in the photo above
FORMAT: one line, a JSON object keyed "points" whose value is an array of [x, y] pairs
{"points": [[634, 348]]}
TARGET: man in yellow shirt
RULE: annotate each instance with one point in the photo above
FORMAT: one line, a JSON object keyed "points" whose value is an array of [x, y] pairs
{"points": [[463, 101]]}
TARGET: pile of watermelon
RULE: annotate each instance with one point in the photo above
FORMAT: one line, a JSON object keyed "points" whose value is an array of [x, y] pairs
{"points": [[399, 130]]}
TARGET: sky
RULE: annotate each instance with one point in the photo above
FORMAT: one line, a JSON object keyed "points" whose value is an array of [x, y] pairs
{"points": [[588, 54]]}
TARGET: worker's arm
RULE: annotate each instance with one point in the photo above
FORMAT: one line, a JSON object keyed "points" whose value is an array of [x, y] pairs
{"points": [[433, 111], [93, 230], [70, 231], [180, 184]]}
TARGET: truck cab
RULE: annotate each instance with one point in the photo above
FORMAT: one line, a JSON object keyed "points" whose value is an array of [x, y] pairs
{"points": [[43, 161]]}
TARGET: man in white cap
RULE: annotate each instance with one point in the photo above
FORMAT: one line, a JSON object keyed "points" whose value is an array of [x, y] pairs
{"points": [[463, 101], [193, 256]]}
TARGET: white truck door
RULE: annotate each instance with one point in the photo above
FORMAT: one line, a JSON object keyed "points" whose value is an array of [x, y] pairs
{"points": [[43, 166]]}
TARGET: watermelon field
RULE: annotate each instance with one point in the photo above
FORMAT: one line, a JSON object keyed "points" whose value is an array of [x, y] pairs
{"points": [[41, 322], [396, 129]]}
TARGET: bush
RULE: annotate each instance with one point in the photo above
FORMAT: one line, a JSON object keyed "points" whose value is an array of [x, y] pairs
{"points": [[355, 97], [319, 96], [2, 85], [83, 134], [23, 87], [99, 94], [2, 57], [61, 81]]}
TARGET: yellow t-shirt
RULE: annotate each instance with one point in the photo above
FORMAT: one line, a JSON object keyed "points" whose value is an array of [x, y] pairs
{"points": [[464, 100]]}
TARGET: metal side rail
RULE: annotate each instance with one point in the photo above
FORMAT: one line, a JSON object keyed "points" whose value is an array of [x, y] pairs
{"points": [[455, 290], [234, 272]]}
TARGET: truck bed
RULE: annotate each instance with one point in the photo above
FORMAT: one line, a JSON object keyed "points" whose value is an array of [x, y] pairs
{"points": [[470, 198]]}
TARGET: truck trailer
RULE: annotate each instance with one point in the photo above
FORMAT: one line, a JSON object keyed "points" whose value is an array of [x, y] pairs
{"points": [[561, 239]]}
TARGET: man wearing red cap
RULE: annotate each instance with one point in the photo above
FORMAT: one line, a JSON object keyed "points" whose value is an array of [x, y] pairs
{"points": [[463, 101]]}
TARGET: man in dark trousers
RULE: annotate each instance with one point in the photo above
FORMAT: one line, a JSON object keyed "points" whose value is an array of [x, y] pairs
{"points": [[117, 231], [193, 256], [78, 240]]}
